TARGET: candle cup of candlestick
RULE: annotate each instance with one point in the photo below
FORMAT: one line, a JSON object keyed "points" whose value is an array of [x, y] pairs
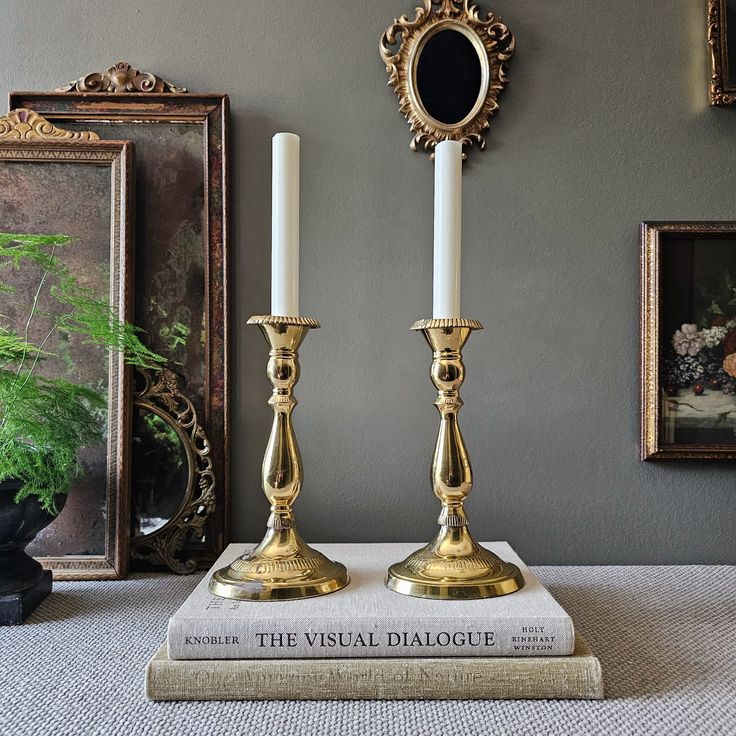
{"points": [[282, 566], [453, 566]]}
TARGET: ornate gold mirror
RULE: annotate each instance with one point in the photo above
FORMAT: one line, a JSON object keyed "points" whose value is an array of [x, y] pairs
{"points": [[173, 479], [447, 67]]}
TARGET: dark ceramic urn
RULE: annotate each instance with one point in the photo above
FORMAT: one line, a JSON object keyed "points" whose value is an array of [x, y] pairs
{"points": [[23, 582]]}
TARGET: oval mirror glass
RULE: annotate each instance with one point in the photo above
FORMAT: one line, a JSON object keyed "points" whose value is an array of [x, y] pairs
{"points": [[160, 471], [449, 76]]}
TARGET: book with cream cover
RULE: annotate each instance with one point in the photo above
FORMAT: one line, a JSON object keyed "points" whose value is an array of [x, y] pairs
{"points": [[465, 678], [366, 620]]}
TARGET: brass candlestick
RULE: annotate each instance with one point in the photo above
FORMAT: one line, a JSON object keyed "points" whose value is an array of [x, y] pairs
{"points": [[282, 566], [453, 565]]}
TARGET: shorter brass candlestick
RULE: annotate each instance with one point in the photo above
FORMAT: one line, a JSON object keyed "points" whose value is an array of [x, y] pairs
{"points": [[453, 566], [282, 566]]}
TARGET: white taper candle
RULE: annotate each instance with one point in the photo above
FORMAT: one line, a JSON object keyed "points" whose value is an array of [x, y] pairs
{"points": [[448, 173], [285, 226]]}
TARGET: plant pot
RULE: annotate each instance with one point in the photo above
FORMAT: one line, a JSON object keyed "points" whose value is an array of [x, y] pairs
{"points": [[23, 582]]}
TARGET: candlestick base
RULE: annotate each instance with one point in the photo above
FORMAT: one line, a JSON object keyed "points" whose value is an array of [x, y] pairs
{"points": [[282, 567], [427, 573]]}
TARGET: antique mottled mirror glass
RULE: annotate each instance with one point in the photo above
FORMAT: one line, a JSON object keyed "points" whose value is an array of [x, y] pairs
{"points": [[56, 181], [160, 471], [450, 75]]}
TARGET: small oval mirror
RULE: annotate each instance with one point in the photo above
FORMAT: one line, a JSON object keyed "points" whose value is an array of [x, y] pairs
{"points": [[447, 65], [449, 76]]}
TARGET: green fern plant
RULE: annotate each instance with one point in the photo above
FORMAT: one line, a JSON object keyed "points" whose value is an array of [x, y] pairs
{"points": [[45, 422]]}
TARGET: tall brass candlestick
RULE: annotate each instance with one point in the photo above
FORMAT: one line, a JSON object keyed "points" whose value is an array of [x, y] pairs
{"points": [[453, 565], [282, 566]]}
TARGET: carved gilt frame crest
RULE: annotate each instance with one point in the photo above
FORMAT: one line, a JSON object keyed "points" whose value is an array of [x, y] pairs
{"points": [[120, 78], [27, 125], [402, 44]]}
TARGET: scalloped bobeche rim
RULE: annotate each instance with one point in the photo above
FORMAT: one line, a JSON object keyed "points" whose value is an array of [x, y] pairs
{"points": [[446, 323], [273, 319]]}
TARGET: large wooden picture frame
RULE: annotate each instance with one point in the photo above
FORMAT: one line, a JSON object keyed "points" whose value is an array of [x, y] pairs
{"points": [[56, 182], [181, 268], [688, 341]]}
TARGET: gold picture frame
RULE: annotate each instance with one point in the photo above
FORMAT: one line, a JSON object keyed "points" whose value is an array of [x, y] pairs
{"points": [[688, 331], [406, 41], [57, 181]]}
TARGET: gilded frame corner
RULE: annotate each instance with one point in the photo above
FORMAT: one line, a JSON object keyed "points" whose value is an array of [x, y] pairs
{"points": [[402, 43]]}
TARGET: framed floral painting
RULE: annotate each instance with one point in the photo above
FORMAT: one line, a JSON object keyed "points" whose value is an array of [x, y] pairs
{"points": [[688, 340]]}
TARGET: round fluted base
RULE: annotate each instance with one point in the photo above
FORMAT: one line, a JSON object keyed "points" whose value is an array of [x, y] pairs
{"points": [[262, 578], [425, 574]]}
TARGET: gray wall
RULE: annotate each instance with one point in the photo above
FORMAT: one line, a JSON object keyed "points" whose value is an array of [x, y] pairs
{"points": [[605, 124]]}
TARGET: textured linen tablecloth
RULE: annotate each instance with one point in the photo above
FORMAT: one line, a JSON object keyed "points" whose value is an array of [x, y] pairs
{"points": [[666, 638]]}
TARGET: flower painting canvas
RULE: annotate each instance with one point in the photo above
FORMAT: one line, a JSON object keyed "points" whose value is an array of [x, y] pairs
{"points": [[689, 340]]}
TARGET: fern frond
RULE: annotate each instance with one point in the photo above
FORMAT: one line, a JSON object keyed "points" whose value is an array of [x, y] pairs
{"points": [[45, 422], [13, 348]]}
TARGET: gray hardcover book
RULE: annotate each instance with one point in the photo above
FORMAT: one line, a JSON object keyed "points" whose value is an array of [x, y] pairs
{"points": [[468, 678], [365, 619]]}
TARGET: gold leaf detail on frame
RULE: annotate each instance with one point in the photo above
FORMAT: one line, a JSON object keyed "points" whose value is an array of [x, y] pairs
{"points": [[161, 394], [27, 125]]}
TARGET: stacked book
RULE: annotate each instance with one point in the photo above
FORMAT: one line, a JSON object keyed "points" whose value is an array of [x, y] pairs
{"points": [[367, 642]]}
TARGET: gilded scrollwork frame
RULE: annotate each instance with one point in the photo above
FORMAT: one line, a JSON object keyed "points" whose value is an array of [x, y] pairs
{"points": [[160, 394], [401, 45]]}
